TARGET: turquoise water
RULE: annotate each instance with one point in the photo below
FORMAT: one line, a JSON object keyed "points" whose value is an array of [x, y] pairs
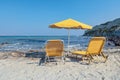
{"points": [[26, 43]]}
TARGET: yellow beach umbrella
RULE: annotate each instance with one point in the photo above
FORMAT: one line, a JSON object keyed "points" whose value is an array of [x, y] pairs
{"points": [[70, 24]]}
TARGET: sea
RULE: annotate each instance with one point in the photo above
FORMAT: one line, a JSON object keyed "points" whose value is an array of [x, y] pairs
{"points": [[27, 43]]}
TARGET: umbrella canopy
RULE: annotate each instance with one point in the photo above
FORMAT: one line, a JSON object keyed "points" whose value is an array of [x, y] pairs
{"points": [[70, 24]]}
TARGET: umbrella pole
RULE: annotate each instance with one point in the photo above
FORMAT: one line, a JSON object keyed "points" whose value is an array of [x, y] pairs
{"points": [[68, 41]]}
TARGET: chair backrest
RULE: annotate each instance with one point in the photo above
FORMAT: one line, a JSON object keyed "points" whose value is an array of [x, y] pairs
{"points": [[95, 45], [54, 48]]}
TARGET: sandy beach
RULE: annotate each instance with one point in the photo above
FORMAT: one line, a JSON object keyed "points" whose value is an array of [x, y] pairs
{"points": [[57, 39], [22, 68]]}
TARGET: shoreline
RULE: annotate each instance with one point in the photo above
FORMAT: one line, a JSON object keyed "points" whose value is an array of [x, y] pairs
{"points": [[41, 52]]}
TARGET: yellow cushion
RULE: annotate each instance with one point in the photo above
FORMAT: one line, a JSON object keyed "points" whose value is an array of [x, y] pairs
{"points": [[79, 52]]}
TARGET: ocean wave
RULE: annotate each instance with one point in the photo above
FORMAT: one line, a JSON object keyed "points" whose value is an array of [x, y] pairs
{"points": [[30, 40]]}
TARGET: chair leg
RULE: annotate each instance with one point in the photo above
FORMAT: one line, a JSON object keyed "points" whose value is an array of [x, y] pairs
{"points": [[63, 59], [46, 59], [97, 57], [63, 56], [104, 56], [76, 56], [89, 59], [39, 62], [83, 58]]}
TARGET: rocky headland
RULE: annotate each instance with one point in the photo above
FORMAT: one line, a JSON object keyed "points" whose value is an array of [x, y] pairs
{"points": [[110, 29]]}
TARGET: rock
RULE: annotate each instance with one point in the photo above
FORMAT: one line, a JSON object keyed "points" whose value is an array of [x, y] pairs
{"points": [[109, 43], [3, 55], [3, 43], [33, 51], [18, 54], [115, 40]]}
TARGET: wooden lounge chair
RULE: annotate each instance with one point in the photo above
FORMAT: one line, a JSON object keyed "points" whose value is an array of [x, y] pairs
{"points": [[94, 48], [54, 48]]}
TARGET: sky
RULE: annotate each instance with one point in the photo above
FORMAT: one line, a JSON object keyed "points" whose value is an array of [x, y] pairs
{"points": [[33, 17]]}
